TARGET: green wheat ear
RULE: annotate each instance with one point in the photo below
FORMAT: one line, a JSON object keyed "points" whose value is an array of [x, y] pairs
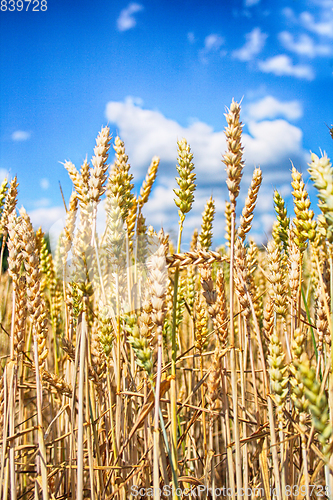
{"points": [[184, 195], [318, 404], [3, 192], [321, 173], [282, 220]]}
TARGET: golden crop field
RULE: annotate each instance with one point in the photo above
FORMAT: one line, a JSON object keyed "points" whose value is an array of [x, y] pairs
{"points": [[129, 369]]}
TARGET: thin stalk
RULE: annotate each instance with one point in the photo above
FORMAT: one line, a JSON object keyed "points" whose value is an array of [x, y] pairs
{"points": [[330, 381], [156, 475], [211, 449], [42, 465], [227, 419], [203, 405], [309, 321], [233, 367], [80, 436], [245, 447], [173, 389], [305, 464], [4, 237], [119, 419], [13, 384], [55, 349], [12, 396], [4, 461], [115, 454], [299, 304], [89, 437]]}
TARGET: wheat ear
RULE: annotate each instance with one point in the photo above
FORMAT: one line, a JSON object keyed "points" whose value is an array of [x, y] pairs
{"points": [[148, 182], [321, 173], [305, 226], [250, 203], [283, 221], [98, 176], [205, 237]]}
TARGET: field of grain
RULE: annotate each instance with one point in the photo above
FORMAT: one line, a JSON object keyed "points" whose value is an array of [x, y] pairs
{"points": [[129, 369]]}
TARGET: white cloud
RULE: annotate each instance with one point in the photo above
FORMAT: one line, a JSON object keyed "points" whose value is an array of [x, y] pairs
{"points": [[213, 43], [148, 133], [269, 144], [46, 217], [271, 108], [249, 3], [42, 202], [191, 37], [272, 142], [324, 11], [304, 46], [44, 183], [126, 20], [20, 135], [282, 65], [323, 27], [255, 41], [161, 207]]}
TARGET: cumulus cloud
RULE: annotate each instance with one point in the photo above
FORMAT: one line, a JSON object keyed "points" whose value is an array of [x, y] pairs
{"points": [[304, 46], [282, 65], [323, 27], [150, 133], [268, 143], [269, 107], [255, 41], [262, 147], [126, 19], [47, 217], [20, 135]]}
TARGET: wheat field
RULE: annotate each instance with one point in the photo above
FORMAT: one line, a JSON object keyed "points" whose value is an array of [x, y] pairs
{"points": [[130, 369]]}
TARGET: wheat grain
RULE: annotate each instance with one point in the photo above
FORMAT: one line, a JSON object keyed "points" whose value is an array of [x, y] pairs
{"points": [[233, 159], [250, 203], [205, 237]]}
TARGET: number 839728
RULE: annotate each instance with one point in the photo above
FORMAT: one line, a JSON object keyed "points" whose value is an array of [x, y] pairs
{"points": [[25, 5]]}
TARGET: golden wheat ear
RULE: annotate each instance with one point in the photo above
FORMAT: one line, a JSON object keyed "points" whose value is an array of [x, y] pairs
{"points": [[250, 203], [98, 175], [206, 235], [305, 225], [233, 158], [148, 182]]}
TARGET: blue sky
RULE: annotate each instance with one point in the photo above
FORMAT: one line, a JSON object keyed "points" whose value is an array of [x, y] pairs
{"points": [[155, 72]]}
